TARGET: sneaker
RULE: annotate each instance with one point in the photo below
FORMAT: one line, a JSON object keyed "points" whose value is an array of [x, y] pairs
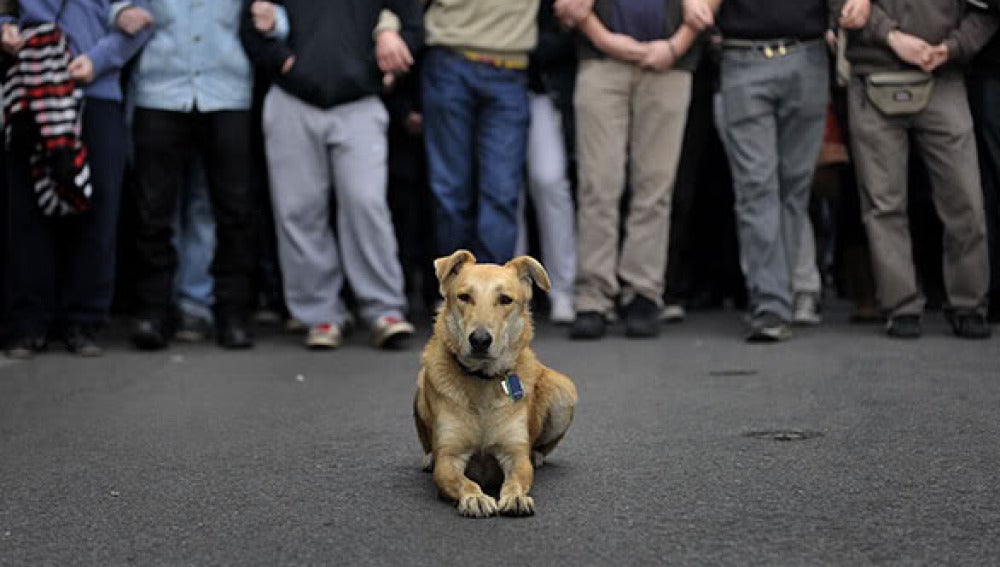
{"points": [[192, 329], [293, 325], [969, 325], [561, 312], [149, 334], [805, 309], [323, 337], [673, 313], [768, 328], [391, 333], [588, 325], [904, 327], [642, 318], [81, 340], [25, 348]]}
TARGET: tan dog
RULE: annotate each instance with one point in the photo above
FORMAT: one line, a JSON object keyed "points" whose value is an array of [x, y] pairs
{"points": [[469, 425]]}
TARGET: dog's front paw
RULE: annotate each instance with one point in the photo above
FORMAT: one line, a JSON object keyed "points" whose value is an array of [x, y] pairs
{"points": [[517, 505], [477, 506]]}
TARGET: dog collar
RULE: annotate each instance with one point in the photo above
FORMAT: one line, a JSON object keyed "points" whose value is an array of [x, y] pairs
{"points": [[510, 383], [477, 373]]}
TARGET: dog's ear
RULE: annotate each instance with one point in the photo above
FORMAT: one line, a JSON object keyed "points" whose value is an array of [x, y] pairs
{"points": [[449, 266], [530, 270]]}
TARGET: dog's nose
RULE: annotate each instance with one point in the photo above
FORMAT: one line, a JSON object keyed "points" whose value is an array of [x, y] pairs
{"points": [[480, 340]]}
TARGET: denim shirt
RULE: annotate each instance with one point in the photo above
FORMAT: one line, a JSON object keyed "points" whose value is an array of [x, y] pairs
{"points": [[194, 59]]}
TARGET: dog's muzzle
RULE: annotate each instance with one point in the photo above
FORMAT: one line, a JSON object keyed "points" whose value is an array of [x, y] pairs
{"points": [[480, 341]]}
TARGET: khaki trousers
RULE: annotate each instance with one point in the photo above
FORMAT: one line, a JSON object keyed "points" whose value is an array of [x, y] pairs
{"points": [[943, 135], [626, 117]]}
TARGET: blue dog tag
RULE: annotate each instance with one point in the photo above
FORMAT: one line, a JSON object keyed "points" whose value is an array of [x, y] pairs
{"points": [[512, 387]]}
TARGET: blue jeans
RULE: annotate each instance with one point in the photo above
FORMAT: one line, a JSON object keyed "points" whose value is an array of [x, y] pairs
{"points": [[194, 239], [475, 113]]}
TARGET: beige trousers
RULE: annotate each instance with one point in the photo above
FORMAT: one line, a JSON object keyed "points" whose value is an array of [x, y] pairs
{"points": [[626, 117]]}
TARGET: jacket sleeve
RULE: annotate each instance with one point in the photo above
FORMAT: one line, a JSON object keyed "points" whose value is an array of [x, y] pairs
{"points": [[974, 32], [114, 50], [411, 18], [878, 27], [267, 53]]}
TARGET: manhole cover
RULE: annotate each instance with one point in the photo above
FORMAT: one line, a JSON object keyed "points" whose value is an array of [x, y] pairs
{"points": [[785, 435]]}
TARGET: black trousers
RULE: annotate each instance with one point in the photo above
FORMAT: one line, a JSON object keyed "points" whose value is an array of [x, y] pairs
{"points": [[163, 143], [984, 87], [63, 268]]}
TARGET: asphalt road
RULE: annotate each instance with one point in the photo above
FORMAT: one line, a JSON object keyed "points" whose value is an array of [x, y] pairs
{"points": [[282, 456]]}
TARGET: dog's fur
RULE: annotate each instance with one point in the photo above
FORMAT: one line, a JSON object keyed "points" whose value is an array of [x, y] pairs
{"points": [[467, 425]]}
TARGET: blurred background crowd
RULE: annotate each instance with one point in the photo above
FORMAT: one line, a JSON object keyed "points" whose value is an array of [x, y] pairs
{"points": [[199, 168]]}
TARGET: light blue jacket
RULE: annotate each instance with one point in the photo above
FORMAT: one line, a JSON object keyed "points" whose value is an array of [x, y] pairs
{"points": [[194, 59]]}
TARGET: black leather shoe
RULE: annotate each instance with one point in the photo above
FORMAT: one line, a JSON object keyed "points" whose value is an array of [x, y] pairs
{"points": [[970, 325], [81, 340], [149, 334], [587, 325], [904, 327], [642, 318], [233, 334]]}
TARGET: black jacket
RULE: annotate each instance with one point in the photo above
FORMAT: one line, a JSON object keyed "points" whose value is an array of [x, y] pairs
{"points": [[333, 47]]}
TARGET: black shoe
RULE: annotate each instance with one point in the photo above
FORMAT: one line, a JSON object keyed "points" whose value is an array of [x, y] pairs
{"points": [[904, 327], [233, 334], [81, 340], [587, 325], [25, 348], [970, 325], [768, 328], [149, 334], [192, 329], [642, 318]]}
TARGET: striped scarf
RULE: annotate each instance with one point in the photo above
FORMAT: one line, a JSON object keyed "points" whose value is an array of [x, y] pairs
{"points": [[43, 111]]}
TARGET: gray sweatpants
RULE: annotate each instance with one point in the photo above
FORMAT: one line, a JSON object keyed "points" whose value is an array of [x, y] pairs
{"points": [[309, 151], [771, 115]]}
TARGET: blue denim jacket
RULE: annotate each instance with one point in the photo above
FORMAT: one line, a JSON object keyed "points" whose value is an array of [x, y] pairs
{"points": [[194, 59]]}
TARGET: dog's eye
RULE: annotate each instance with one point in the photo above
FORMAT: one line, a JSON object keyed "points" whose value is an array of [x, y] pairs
{"points": [[465, 298], [505, 300]]}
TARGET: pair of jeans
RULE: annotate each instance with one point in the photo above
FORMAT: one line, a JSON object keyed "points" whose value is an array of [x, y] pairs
{"points": [[63, 268], [476, 128], [163, 143]]}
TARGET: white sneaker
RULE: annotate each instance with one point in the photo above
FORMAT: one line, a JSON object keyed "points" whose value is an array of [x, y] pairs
{"points": [[323, 337], [673, 313], [805, 309], [561, 312], [390, 332]]}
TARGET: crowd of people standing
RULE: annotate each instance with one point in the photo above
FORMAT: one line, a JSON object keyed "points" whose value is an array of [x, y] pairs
{"points": [[312, 158]]}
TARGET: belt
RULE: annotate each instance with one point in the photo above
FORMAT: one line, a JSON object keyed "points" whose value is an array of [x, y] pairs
{"points": [[778, 47], [517, 63]]}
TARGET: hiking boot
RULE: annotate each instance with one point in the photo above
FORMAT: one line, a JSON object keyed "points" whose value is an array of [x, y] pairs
{"points": [[588, 325], [642, 318], [768, 328], [391, 333], [904, 327]]}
